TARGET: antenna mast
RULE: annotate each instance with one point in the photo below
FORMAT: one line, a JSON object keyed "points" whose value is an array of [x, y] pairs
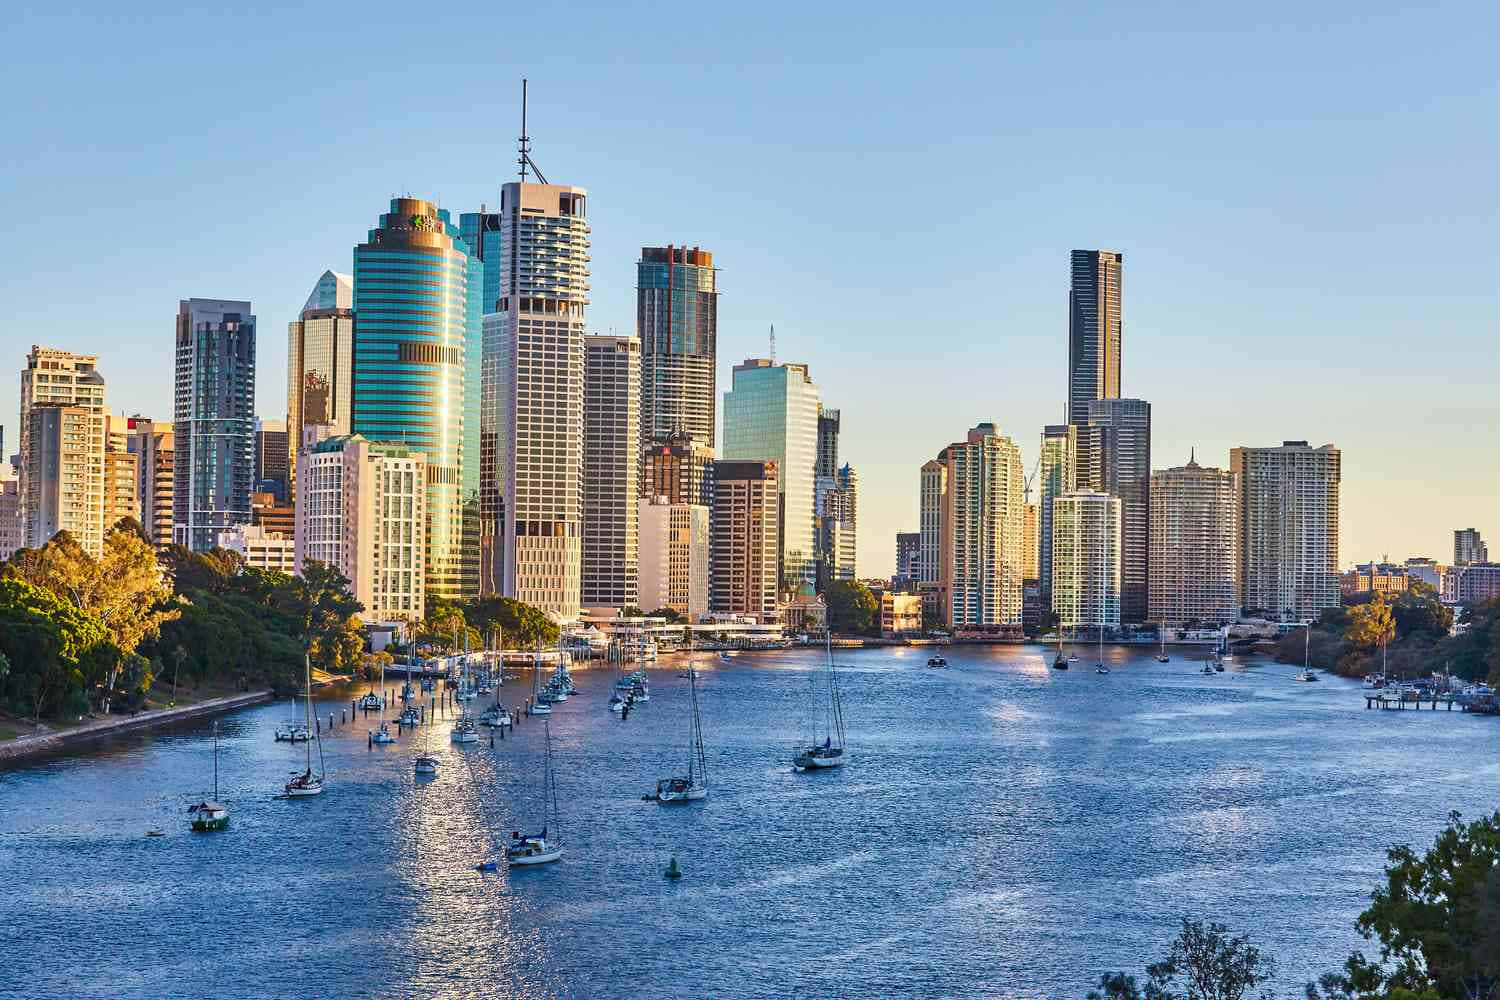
{"points": [[773, 343], [525, 160]]}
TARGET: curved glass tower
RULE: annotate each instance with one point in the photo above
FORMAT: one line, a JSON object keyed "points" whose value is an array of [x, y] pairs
{"points": [[416, 351]]}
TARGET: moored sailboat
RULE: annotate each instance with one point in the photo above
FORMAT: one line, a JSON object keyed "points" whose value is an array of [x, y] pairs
{"points": [[210, 814], [307, 784], [546, 846], [694, 785], [831, 752]]}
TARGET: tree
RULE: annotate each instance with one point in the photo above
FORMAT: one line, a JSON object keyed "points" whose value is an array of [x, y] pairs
{"points": [[212, 571], [324, 601], [1370, 624], [524, 625], [1419, 611], [1206, 962], [670, 614], [851, 606], [632, 611], [56, 651]]}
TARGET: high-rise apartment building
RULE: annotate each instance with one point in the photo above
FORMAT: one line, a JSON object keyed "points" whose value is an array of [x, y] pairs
{"points": [[481, 232], [153, 444], [744, 545], [908, 558], [611, 462], [674, 557], [1194, 546], [64, 465], [416, 355], [932, 483], [272, 473], [983, 529], [837, 507], [1469, 547], [677, 319], [1030, 554], [121, 474], [1114, 456], [532, 416], [213, 417], [1086, 560], [1094, 330], [771, 413], [63, 378], [1288, 529], [679, 469], [319, 365], [1057, 474], [361, 507]]}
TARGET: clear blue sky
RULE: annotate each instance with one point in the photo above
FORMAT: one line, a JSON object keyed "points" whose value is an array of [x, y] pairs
{"points": [[1305, 195]]}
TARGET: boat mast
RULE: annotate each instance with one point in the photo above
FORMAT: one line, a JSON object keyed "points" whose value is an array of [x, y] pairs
{"points": [[307, 713], [216, 760]]}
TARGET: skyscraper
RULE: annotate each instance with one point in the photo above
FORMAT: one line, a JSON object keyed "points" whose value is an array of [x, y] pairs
{"points": [[1094, 330], [153, 446], [828, 442], [611, 459], [532, 417], [272, 451], [1469, 547], [983, 529], [679, 469], [1086, 560], [416, 352], [674, 557], [677, 318], [1057, 475], [771, 413], [1288, 528], [1031, 556], [319, 364], [59, 377], [837, 506], [908, 557], [213, 415], [742, 565], [932, 483], [1194, 539], [1114, 456], [64, 464]]}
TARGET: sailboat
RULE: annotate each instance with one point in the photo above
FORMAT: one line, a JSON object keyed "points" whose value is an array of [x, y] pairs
{"points": [[1100, 668], [547, 846], [540, 703], [1162, 656], [1059, 662], [425, 762], [307, 783], [1307, 672], [830, 752], [695, 785], [210, 814], [383, 733]]}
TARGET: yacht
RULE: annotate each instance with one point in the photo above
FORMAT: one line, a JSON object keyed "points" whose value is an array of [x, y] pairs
{"points": [[307, 783], [425, 763], [694, 785], [464, 730], [371, 702], [210, 814], [547, 846], [831, 752], [1307, 673]]}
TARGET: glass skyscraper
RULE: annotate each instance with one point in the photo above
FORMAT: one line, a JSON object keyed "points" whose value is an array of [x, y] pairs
{"points": [[677, 319], [417, 352], [1094, 330], [319, 353]]}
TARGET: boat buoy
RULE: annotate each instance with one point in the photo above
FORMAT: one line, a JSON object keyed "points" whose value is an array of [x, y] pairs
{"points": [[673, 872]]}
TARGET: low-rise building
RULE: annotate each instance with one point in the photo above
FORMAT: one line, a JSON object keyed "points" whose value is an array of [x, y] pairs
{"points": [[1381, 578], [261, 549], [900, 614]]}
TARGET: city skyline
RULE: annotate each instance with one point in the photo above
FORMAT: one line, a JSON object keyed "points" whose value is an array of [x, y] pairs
{"points": [[1298, 335]]}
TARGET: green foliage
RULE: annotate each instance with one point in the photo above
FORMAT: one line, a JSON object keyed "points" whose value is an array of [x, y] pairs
{"points": [[632, 611], [1202, 963], [851, 607], [232, 637], [524, 624], [215, 571], [57, 653], [670, 614], [1370, 624], [1422, 645]]}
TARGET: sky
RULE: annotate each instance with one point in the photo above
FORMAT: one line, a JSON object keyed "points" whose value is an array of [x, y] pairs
{"points": [[1305, 195]]}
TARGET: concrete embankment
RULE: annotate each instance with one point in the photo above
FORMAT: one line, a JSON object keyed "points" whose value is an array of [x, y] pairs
{"points": [[64, 739]]}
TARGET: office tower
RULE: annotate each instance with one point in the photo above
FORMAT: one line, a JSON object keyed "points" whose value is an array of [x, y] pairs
{"points": [[121, 474], [1057, 474], [677, 319], [272, 472], [213, 417], [674, 557], [1086, 560], [1288, 529], [743, 552], [1468, 547], [10, 512], [481, 233], [908, 557], [771, 413], [983, 529], [679, 469], [611, 463], [1031, 557], [152, 444], [1094, 330], [64, 465], [1114, 456], [319, 364], [416, 351], [836, 507], [1194, 538], [274, 516], [532, 417], [63, 378], [828, 442], [361, 507], [932, 484]]}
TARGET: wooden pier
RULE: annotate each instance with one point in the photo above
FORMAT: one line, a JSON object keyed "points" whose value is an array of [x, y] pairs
{"points": [[1400, 701]]}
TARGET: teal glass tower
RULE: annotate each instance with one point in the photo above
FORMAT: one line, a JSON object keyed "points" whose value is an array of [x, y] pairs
{"points": [[417, 353]]}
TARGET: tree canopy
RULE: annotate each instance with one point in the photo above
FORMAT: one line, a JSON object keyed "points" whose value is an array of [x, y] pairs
{"points": [[851, 606], [57, 653], [524, 624]]}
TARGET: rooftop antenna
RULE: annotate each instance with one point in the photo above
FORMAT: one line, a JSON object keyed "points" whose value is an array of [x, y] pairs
{"points": [[773, 343], [525, 159]]}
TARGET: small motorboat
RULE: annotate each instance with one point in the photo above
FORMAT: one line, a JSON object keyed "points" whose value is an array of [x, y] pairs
{"points": [[371, 702], [464, 731], [383, 734], [1101, 669], [937, 661]]}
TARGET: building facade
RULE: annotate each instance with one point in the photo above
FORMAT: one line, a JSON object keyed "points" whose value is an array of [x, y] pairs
{"points": [[1086, 560], [64, 465], [10, 512], [908, 558], [1386, 579], [261, 549], [1469, 547], [836, 503], [900, 615], [1056, 475], [744, 544], [1288, 529], [213, 418], [1095, 330], [121, 476], [272, 454], [1114, 457], [674, 543], [152, 444], [771, 414], [678, 468], [677, 320], [828, 442], [932, 484], [611, 462], [62, 378], [1194, 546], [320, 364], [983, 530]]}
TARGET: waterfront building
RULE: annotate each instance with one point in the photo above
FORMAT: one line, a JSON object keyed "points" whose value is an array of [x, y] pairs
{"points": [[416, 357], [1057, 474], [272, 455], [932, 483], [1288, 529], [273, 516], [533, 385], [1086, 580], [1114, 456], [361, 507], [1194, 539], [837, 505], [674, 544], [900, 614], [744, 542], [771, 414], [983, 530], [213, 415], [1095, 330], [1469, 547], [908, 558], [677, 319], [152, 445], [1382, 578], [611, 463], [261, 549], [678, 468], [319, 364], [62, 378]]}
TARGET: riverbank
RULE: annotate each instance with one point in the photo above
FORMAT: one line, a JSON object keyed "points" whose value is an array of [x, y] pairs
{"points": [[56, 740]]}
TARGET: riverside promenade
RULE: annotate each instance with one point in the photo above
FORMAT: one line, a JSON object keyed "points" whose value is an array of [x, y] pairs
{"points": [[53, 741]]}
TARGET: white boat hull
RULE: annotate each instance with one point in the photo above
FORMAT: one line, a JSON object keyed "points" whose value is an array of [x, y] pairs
{"points": [[546, 857], [465, 737], [304, 791], [690, 795], [808, 762]]}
